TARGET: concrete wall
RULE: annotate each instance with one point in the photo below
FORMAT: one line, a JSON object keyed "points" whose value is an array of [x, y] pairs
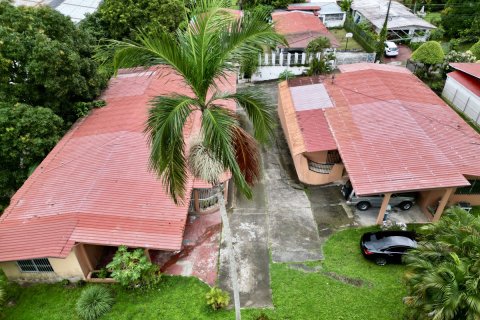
{"points": [[68, 268], [265, 73], [462, 99], [332, 23], [307, 176]]}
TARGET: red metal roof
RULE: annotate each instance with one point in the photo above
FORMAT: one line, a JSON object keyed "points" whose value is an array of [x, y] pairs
{"points": [[95, 186], [292, 7], [469, 82], [299, 28], [472, 69], [394, 134], [315, 131]]}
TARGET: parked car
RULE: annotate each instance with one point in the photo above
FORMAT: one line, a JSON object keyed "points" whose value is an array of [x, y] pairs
{"points": [[391, 49], [404, 201], [387, 246]]}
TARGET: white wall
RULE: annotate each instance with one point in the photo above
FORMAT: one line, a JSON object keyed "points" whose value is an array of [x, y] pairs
{"points": [[462, 99], [332, 23], [273, 72]]}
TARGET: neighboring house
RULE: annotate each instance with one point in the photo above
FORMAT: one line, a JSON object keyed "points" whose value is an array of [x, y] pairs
{"points": [[299, 28], [387, 130], [75, 9], [462, 89], [402, 23], [94, 190], [329, 12]]}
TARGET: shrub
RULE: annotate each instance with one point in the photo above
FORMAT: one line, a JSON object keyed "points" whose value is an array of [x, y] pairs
{"points": [[217, 298], [65, 282], [285, 75], [429, 53], [475, 50], [94, 302], [437, 34], [133, 269]]}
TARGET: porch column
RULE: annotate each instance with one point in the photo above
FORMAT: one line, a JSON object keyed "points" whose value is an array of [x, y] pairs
{"points": [[442, 204], [225, 191], [147, 253], [383, 208], [196, 201]]}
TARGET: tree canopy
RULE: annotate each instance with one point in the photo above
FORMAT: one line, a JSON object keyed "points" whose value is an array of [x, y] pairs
{"points": [[475, 50], [119, 19], [443, 276], [461, 19], [203, 53], [429, 53], [45, 59], [27, 134]]}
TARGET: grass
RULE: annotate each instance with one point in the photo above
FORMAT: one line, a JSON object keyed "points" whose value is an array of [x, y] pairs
{"points": [[346, 287], [475, 211], [340, 35], [433, 16]]}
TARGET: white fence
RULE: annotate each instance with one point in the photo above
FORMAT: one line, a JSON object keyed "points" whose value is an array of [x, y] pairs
{"points": [[272, 65], [464, 100]]}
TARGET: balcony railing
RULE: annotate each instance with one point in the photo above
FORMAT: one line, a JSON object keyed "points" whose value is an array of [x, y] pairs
{"points": [[207, 198], [323, 168]]}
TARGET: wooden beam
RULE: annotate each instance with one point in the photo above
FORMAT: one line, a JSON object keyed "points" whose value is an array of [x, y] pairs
{"points": [[383, 208], [442, 204], [196, 201]]}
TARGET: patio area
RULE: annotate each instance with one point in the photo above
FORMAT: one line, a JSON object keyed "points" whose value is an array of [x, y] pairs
{"points": [[369, 217]]}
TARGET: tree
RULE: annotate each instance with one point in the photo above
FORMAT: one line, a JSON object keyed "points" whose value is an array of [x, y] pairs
{"points": [[27, 134], [46, 60], [345, 5], [318, 65], [443, 277], [210, 46], [118, 19], [429, 53], [460, 18], [475, 50]]}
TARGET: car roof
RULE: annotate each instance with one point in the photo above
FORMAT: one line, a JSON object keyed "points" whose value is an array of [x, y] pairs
{"points": [[390, 44], [385, 239]]}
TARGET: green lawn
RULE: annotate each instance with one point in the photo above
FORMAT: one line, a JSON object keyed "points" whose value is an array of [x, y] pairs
{"points": [[340, 35], [346, 287], [433, 17]]}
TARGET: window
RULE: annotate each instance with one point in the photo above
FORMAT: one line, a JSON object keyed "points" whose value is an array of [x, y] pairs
{"points": [[474, 188], [35, 265], [334, 17]]}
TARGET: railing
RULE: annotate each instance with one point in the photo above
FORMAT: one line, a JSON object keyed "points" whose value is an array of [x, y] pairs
{"points": [[323, 168], [207, 198], [287, 59]]}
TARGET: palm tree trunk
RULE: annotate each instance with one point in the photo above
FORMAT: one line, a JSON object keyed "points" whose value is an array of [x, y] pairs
{"points": [[230, 253]]}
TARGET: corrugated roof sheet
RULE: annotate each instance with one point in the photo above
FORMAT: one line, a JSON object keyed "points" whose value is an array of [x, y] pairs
{"points": [[399, 17], [472, 69], [299, 28], [310, 97], [95, 186], [394, 134]]}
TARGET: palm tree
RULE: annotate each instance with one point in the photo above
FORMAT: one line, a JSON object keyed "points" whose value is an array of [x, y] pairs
{"points": [[203, 53], [443, 277]]}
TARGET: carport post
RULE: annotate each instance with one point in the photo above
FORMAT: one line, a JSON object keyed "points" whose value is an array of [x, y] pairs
{"points": [[383, 208], [442, 204]]}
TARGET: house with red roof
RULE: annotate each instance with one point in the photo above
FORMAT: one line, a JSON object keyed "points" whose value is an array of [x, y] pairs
{"points": [[384, 129], [328, 11], [94, 191], [299, 28], [462, 89]]}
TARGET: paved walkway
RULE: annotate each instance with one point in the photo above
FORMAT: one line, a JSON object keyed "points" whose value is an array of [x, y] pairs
{"points": [[278, 217]]}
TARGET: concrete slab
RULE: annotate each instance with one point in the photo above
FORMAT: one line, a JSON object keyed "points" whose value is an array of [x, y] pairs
{"points": [[249, 232], [369, 217]]}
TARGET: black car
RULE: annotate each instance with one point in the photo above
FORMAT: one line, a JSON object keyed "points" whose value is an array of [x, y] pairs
{"points": [[387, 246]]}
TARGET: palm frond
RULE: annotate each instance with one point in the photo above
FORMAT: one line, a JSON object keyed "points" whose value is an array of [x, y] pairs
{"points": [[259, 110], [202, 162], [247, 155], [165, 133], [218, 128]]}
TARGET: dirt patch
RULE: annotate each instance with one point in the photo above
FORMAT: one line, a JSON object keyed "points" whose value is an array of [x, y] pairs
{"points": [[347, 280], [304, 267]]}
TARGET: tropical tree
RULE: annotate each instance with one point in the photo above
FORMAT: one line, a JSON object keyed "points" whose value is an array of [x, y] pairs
{"points": [[318, 65], [443, 273], [203, 54]]}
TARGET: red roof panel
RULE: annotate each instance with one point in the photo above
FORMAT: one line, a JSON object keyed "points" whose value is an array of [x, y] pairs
{"points": [[469, 82], [316, 133], [95, 186], [472, 69], [394, 134], [299, 28]]}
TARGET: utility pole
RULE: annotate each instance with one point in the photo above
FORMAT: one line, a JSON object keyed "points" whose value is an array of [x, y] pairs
{"points": [[383, 33]]}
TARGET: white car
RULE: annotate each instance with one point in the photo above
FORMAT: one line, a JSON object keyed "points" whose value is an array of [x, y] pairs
{"points": [[391, 49]]}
